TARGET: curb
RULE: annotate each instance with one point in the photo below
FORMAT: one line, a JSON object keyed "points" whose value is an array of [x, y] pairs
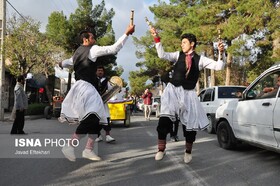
{"points": [[28, 117]]}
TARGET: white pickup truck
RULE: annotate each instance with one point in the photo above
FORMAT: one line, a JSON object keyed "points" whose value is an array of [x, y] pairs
{"points": [[211, 98], [255, 118]]}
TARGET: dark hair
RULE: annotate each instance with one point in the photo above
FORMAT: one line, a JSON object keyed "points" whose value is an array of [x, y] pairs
{"points": [[100, 66], [20, 78], [84, 34], [189, 37]]}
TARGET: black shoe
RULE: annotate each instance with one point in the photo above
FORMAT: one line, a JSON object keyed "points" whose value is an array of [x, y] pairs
{"points": [[176, 138]]}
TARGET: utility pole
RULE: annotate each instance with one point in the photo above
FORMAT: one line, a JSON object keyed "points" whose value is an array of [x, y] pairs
{"points": [[2, 59]]}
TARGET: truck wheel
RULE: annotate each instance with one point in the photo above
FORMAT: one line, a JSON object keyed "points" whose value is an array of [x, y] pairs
{"points": [[48, 112], [158, 111], [225, 136], [127, 122], [210, 128], [127, 118], [57, 113]]}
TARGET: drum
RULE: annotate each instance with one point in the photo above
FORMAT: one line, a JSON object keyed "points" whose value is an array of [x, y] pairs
{"points": [[117, 84]]}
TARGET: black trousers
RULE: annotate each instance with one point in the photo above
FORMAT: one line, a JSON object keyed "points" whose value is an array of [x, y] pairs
{"points": [[105, 127], [165, 126], [18, 123], [175, 127], [90, 125]]}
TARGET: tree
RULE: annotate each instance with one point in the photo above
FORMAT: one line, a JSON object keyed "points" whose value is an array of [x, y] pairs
{"points": [[137, 83], [28, 50], [21, 44], [48, 55], [58, 29], [96, 19], [205, 18], [172, 21]]}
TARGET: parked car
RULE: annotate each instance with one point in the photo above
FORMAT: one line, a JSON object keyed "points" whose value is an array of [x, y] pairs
{"points": [[255, 117], [211, 98], [156, 105], [140, 104]]}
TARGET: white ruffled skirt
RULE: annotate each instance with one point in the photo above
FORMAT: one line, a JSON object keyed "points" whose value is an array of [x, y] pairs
{"points": [[185, 104], [81, 101]]}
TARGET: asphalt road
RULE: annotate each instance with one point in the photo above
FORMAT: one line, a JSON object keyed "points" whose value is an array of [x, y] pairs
{"points": [[130, 160]]}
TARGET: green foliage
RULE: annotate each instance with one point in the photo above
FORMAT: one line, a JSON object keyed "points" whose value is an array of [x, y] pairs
{"points": [[21, 44], [204, 19], [58, 28], [96, 19], [36, 109], [137, 83], [28, 50]]}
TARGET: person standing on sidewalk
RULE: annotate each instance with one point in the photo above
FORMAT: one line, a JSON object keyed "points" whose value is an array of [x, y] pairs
{"points": [[83, 104], [103, 86], [20, 105], [147, 99], [179, 97]]}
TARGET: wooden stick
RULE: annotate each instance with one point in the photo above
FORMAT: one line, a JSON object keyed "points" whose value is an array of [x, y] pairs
{"points": [[219, 36], [148, 22], [220, 40], [131, 17]]}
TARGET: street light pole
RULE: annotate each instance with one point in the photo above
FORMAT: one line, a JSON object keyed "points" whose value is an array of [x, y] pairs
{"points": [[2, 59], [160, 85]]}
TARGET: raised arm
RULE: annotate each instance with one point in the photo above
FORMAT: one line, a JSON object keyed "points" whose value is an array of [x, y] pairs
{"points": [[97, 51], [170, 56], [212, 64]]}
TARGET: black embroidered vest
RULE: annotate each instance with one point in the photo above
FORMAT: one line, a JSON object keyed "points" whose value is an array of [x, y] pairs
{"points": [[179, 74], [102, 86], [84, 68]]}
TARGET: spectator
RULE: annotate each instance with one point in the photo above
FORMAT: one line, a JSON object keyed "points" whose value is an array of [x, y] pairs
{"points": [[20, 105], [269, 92], [102, 86], [147, 98]]}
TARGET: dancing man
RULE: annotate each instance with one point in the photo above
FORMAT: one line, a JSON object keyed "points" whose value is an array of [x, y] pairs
{"points": [[179, 96], [83, 104]]}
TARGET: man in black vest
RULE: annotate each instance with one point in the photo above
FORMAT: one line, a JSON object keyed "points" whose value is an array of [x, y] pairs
{"points": [[102, 87], [83, 104], [179, 96]]}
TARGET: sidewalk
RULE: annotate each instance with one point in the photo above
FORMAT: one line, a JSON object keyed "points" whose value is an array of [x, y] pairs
{"points": [[7, 117]]}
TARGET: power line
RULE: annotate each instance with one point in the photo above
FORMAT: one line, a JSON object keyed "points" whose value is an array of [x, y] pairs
{"points": [[55, 5], [59, 6], [65, 7], [16, 10], [73, 7]]}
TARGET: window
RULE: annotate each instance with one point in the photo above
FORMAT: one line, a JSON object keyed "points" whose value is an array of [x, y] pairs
{"points": [[266, 87], [230, 92], [157, 100], [208, 95], [201, 95]]}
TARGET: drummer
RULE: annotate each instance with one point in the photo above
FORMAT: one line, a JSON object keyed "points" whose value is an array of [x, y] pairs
{"points": [[102, 87], [83, 103]]}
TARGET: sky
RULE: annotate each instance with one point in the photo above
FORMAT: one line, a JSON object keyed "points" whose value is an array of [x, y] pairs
{"points": [[40, 10]]}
